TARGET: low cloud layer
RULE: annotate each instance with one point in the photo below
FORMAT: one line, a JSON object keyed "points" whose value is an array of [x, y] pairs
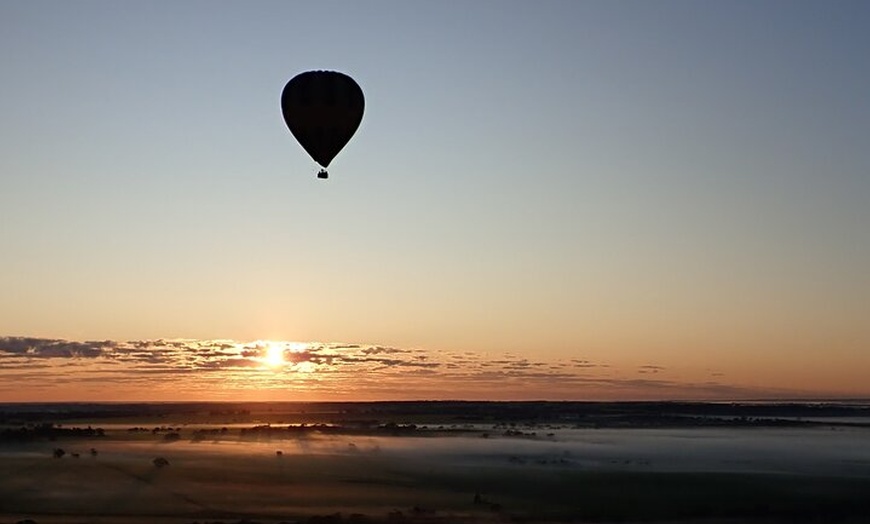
{"points": [[148, 369]]}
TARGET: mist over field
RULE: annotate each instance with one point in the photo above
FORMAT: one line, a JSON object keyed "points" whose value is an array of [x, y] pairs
{"points": [[462, 472], [788, 451]]}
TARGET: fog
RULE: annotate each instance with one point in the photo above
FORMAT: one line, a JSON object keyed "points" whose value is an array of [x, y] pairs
{"points": [[318, 473], [822, 451], [792, 451]]}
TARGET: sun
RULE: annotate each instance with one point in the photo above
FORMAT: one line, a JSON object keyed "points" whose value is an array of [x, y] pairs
{"points": [[274, 356]]}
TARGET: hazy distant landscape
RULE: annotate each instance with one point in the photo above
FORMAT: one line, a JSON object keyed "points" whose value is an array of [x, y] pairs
{"points": [[434, 462]]}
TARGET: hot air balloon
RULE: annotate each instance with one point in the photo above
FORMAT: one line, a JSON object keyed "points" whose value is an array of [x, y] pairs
{"points": [[323, 109]]}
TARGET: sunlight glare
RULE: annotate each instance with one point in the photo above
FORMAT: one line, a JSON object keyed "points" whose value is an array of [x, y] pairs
{"points": [[274, 355]]}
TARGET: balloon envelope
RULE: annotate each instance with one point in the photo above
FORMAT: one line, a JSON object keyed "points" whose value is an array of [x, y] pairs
{"points": [[323, 109]]}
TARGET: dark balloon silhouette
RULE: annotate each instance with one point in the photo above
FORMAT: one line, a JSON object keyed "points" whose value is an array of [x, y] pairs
{"points": [[323, 109]]}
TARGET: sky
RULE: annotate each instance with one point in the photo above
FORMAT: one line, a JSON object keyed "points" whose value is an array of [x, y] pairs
{"points": [[563, 200]]}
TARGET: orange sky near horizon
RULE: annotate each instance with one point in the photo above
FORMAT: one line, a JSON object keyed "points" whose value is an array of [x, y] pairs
{"points": [[179, 370]]}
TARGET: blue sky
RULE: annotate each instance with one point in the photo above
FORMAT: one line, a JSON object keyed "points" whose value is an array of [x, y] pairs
{"points": [[638, 183]]}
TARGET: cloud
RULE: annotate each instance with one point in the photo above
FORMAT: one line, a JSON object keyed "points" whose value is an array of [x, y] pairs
{"points": [[207, 368], [578, 363], [52, 348], [377, 350]]}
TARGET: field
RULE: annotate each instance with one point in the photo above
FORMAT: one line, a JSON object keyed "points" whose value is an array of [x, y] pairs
{"points": [[410, 464]]}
